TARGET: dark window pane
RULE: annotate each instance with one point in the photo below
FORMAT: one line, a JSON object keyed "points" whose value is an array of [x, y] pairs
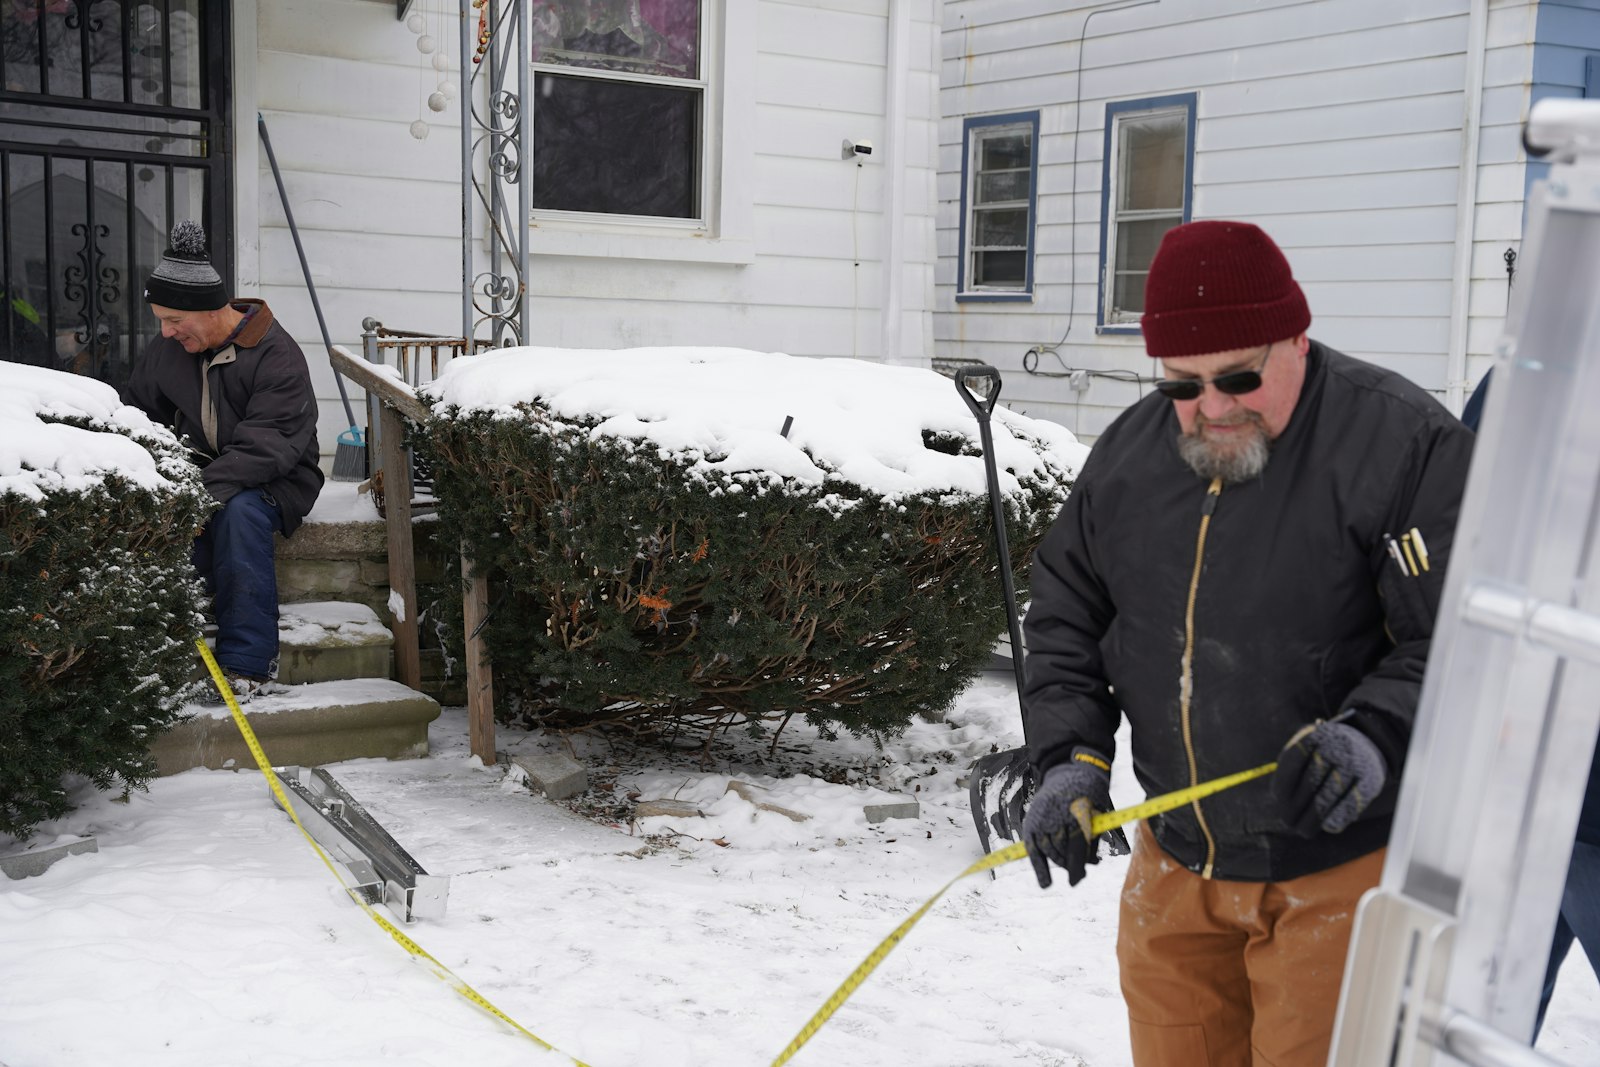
{"points": [[656, 37], [1129, 295], [1007, 185], [1152, 162], [148, 54], [105, 50], [621, 148], [1008, 269], [1007, 228], [72, 127], [1000, 151], [22, 32], [24, 331], [1137, 241], [185, 52]]}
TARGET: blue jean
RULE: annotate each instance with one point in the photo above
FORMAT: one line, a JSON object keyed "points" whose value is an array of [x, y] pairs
{"points": [[1579, 919], [234, 555]]}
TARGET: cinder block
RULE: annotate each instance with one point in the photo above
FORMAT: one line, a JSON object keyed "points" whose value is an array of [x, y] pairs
{"points": [[322, 642], [902, 808], [555, 774], [305, 725], [335, 540], [37, 861]]}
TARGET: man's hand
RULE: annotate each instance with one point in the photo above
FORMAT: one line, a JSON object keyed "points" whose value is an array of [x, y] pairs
{"points": [[1327, 775], [1058, 825]]}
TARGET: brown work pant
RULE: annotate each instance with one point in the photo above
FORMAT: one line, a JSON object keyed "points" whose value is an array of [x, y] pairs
{"points": [[1234, 974]]}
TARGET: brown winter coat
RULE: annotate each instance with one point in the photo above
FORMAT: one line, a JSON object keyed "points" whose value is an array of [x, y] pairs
{"points": [[247, 411]]}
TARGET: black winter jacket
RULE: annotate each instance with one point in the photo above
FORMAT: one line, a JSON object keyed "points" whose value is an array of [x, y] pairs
{"points": [[264, 411], [1300, 613]]}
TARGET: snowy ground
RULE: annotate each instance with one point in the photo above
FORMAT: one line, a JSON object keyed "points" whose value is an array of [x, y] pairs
{"points": [[206, 932]]}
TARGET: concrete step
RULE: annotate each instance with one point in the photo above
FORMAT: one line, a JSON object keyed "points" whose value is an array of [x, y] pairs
{"points": [[328, 640], [308, 725]]}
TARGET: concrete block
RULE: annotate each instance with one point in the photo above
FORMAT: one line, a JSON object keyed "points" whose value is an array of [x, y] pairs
{"points": [[305, 725], [323, 641], [320, 579], [335, 540], [374, 572], [37, 861], [555, 774], [903, 807]]}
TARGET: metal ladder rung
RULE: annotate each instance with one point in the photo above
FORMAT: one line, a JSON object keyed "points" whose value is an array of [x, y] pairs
{"points": [[1556, 627], [1473, 1042]]}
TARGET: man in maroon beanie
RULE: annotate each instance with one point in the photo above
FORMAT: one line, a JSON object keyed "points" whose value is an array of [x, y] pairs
{"points": [[1247, 568]]}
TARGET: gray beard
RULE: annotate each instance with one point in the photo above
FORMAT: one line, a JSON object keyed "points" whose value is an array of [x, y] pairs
{"points": [[1241, 464]]}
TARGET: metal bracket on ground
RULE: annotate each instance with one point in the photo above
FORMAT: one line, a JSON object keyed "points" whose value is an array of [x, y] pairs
{"points": [[377, 867]]}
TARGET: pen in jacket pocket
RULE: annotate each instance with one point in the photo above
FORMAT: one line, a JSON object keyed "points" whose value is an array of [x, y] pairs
{"points": [[1414, 535]]}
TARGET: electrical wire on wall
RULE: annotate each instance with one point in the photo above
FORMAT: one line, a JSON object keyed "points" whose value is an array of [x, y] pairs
{"points": [[1079, 378]]}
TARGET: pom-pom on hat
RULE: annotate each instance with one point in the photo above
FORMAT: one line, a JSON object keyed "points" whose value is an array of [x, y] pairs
{"points": [[185, 280], [1217, 286]]}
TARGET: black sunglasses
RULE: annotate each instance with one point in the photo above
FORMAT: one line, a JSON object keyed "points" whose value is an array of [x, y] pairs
{"points": [[1234, 383]]}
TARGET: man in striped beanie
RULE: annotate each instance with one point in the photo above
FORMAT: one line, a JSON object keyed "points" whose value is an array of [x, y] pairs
{"points": [[229, 380], [1228, 575]]}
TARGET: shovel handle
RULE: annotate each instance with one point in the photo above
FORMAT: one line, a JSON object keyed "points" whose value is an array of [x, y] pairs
{"points": [[981, 409]]}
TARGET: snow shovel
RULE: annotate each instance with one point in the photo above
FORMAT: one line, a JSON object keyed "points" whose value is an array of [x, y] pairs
{"points": [[1001, 783]]}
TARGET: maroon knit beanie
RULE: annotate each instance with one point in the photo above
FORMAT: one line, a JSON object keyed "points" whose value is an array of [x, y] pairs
{"points": [[1216, 286]]}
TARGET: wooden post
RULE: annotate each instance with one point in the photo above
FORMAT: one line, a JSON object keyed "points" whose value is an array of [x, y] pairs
{"points": [[480, 676], [402, 561]]}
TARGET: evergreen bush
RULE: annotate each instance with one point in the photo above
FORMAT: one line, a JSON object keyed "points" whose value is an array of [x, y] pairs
{"points": [[636, 584], [98, 612]]}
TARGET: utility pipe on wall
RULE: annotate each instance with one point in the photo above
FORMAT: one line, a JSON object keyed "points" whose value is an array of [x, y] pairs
{"points": [[895, 160], [1466, 207]]}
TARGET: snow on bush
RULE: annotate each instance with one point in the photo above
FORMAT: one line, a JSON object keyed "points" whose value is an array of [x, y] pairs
{"points": [[717, 536], [97, 597]]}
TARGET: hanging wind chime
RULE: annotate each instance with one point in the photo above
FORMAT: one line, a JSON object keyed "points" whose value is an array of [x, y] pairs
{"points": [[428, 46]]}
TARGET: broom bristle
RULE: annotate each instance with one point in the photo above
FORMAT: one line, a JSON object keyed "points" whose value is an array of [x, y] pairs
{"points": [[350, 457], [349, 463]]}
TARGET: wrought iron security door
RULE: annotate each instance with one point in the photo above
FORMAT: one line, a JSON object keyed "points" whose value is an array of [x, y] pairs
{"points": [[113, 126]]}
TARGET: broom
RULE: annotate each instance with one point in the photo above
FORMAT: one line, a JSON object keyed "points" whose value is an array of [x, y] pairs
{"points": [[350, 457]]}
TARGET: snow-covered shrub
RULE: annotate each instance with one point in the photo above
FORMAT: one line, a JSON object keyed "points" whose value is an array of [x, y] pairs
{"points": [[98, 616], [659, 549]]}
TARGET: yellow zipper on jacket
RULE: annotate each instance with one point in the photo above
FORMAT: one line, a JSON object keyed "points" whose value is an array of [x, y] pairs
{"points": [[1186, 680]]}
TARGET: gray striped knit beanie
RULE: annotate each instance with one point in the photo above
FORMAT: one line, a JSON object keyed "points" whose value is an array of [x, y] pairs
{"points": [[185, 280]]}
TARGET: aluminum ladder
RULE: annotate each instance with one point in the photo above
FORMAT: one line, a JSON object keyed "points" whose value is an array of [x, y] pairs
{"points": [[1448, 953]]}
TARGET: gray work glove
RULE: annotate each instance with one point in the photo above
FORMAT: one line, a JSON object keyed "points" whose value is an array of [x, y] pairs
{"points": [[1327, 775], [1057, 827]]}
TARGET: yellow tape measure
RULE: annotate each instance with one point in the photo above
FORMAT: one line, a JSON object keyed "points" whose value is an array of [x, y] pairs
{"points": [[444, 973], [998, 858]]}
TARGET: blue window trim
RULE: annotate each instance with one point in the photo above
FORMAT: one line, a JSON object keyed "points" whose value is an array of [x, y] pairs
{"points": [[1025, 294], [1190, 102]]}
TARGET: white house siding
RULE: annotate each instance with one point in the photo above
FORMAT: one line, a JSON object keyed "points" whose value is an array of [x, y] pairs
{"points": [[1337, 126], [794, 262], [339, 82]]}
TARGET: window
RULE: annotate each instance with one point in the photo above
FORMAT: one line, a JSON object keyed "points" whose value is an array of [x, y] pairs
{"points": [[619, 107], [1147, 184], [998, 190]]}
